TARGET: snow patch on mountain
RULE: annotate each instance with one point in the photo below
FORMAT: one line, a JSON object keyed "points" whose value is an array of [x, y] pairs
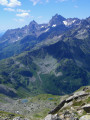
{"points": [[73, 21], [42, 26], [69, 22], [65, 22], [47, 29], [54, 25]]}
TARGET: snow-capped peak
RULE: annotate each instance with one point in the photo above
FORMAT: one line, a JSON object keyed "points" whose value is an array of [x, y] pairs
{"points": [[46, 29]]}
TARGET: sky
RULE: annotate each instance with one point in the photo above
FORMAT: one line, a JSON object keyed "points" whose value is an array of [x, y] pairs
{"points": [[18, 13]]}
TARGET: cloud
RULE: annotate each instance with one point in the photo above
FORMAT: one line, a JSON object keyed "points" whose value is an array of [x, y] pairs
{"points": [[61, 0], [17, 10], [38, 1], [39, 17], [47, 0], [23, 11], [23, 15], [9, 9], [35, 1], [3, 2], [10, 3]]}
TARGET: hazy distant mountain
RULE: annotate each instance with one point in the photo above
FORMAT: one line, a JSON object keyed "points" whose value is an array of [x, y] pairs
{"points": [[14, 35], [10, 41], [36, 29]]}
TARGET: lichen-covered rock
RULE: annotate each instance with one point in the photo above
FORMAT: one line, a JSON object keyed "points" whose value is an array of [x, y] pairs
{"points": [[85, 117], [76, 95], [69, 116], [17, 118], [80, 112], [86, 108], [62, 117], [69, 101], [72, 107], [66, 116], [52, 117]]}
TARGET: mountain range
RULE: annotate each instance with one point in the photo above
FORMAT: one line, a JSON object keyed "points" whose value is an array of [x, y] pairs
{"points": [[49, 58]]}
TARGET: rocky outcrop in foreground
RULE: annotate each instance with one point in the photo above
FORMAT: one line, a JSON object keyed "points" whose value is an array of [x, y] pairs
{"points": [[75, 107]]}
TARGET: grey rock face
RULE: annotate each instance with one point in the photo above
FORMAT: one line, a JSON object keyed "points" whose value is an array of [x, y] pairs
{"points": [[68, 112], [68, 100], [85, 117], [52, 117], [69, 116], [76, 95], [66, 116], [18, 118]]}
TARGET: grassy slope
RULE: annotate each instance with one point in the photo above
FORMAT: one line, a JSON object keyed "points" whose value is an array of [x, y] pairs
{"points": [[51, 69]]}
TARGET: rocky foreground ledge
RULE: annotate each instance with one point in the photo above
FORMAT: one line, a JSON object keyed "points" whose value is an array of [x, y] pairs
{"points": [[75, 107]]}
